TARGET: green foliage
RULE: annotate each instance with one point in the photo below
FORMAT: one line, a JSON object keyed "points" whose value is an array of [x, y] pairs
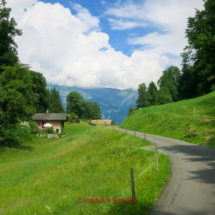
{"points": [[39, 88], [77, 105], [72, 117], [91, 110], [74, 103], [8, 30], [54, 101], [16, 97], [152, 94], [50, 130], [170, 79], [142, 100], [33, 127], [164, 96], [198, 64]]}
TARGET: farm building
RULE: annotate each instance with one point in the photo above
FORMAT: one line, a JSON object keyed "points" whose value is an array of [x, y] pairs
{"points": [[56, 119], [102, 121]]}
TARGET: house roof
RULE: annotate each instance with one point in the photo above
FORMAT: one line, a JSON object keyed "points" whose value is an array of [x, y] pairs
{"points": [[50, 116], [102, 121]]}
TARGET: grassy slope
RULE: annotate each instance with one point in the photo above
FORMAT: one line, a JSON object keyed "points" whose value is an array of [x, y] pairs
{"points": [[47, 176], [168, 120]]}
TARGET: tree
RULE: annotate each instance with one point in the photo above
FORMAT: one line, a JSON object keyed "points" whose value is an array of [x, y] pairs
{"points": [[164, 96], [170, 79], [16, 99], [39, 88], [54, 101], [8, 30], [152, 94], [142, 100], [91, 110], [198, 64], [74, 103]]}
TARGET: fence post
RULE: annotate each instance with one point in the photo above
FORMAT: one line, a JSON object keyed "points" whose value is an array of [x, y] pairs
{"points": [[182, 112], [156, 154], [132, 183], [130, 145], [202, 115]]}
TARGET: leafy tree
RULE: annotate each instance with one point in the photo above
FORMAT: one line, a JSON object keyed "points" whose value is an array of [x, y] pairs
{"points": [[16, 99], [8, 30], [142, 100], [198, 64], [72, 117], [170, 79], [39, 88], [152, 94], [92, 110], [164, 96], [54, 101], [74, 102]]}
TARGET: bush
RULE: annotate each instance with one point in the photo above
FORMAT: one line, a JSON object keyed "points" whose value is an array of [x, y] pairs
{"points": [[16, 135], [90, 123], [77, 120], [33, 127], [50, 130], [72, 117]]}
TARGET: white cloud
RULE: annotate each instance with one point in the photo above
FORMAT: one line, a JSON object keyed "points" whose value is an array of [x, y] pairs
{"points": [[168, 17], [124, 24], [71, 49]]}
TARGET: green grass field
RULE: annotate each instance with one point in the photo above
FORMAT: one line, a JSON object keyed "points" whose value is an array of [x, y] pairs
{"points": [[177, 120], [47, 176]]}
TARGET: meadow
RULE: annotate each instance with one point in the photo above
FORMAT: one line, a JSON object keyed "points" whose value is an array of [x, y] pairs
{"points": [[190, 120], [49, 176]]}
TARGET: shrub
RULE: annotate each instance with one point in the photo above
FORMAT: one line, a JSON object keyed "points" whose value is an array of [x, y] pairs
{"points": [[50, 130], [33, 127], [77, 120]]}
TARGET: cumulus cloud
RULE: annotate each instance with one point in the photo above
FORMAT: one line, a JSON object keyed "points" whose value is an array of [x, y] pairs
{"points": [[167, 17], [70, 49]]}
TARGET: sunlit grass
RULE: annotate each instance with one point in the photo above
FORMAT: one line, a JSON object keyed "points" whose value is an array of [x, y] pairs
{"points": [[175, 119], [48, 176]]}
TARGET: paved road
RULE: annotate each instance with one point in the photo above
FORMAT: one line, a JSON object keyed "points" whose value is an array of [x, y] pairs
{"points": [[191, 189]]}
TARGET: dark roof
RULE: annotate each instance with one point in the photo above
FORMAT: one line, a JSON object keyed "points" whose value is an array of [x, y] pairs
{"points": [[50, 116]]}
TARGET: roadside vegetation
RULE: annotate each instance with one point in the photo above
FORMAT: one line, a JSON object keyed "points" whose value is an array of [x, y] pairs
{"points": [[190, 120], [48, 176]]}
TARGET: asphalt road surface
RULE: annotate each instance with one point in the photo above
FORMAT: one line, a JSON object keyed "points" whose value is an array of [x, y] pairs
{"points": [[191, 188]]}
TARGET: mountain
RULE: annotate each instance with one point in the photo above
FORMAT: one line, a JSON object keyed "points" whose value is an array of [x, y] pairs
{"points": [[113, 102]]}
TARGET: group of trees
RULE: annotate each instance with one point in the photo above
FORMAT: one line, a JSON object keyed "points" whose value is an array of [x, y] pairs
{"points": [[87, 110], [197, 76], [168, 89], [23, 91]]}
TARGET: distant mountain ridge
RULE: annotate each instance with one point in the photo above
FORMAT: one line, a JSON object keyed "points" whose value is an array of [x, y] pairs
{"points": [[113, 102]]}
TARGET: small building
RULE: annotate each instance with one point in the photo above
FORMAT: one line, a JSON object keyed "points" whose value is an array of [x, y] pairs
{"points": [[56, 119], [102, 121]]}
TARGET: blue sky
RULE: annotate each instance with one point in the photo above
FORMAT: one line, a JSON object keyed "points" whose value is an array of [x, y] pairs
{"points": [[117, 44]]}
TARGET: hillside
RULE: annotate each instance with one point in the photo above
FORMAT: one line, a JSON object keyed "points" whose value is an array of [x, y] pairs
{"points": [[113, 102], [177, 120]]}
